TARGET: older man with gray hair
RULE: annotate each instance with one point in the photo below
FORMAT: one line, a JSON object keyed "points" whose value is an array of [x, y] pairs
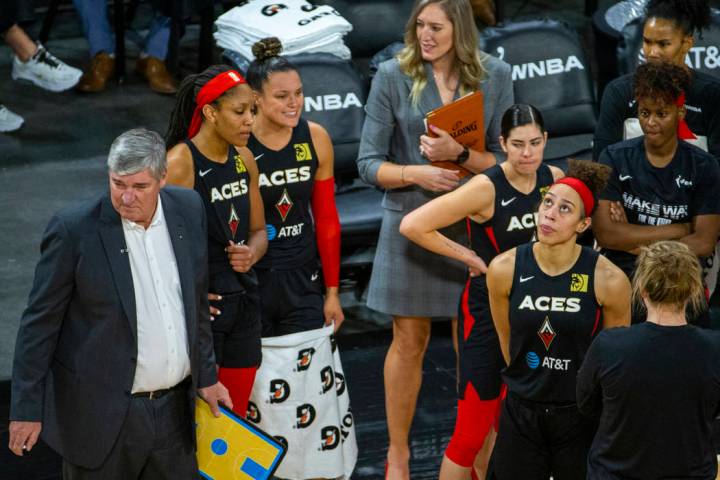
{"points": [[115, 341]]}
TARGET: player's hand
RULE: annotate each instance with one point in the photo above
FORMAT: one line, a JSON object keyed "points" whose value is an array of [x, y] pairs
{"points": [[333, 310], [215, 394], [214, 297], [442, 148], [476, 265], [23, 436], [239, 256], [431, 178]]}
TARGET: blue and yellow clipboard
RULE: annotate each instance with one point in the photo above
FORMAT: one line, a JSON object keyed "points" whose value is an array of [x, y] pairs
{"points": [[229, 447]]}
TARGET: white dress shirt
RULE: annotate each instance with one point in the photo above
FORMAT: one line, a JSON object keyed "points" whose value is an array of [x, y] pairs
{"points": [[163, 360]]}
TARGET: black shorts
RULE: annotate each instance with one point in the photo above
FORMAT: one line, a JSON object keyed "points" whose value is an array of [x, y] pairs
{"points": [[236, 331], [291, 300], [480, 356], [535, 441]]}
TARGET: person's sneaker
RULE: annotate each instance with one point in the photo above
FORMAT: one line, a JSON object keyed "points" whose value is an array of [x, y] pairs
{"points": [[9, 121], [46, 71]]}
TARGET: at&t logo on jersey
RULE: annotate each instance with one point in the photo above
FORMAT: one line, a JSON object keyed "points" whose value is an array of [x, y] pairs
{"points": [[279, 178], [229, 191], [550, 304], [302, 152], [533, 361], [522, 222]]}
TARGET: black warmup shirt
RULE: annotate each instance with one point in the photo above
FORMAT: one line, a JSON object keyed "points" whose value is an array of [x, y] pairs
{"points": [[702, 102], [286, 182], [224, 189], [659, 392], [685, 188], [552, 322], [513, 220]]}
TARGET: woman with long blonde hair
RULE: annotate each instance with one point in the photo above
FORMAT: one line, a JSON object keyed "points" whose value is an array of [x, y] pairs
{"points": [[440, 62]]}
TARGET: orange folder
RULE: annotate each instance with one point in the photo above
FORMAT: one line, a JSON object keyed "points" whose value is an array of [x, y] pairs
{"points": [[463, 120]]}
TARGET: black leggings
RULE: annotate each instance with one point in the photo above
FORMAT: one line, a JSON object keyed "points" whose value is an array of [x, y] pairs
{"points": [[8, 15]]}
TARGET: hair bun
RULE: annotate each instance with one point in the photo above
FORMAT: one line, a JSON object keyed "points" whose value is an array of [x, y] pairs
{"points": [[266, 48]]}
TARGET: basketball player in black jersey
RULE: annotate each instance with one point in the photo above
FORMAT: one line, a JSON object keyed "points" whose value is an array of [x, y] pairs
{"points": [[548, 300], [208, 131], [295, 161], [661, 188], [500, 206]]}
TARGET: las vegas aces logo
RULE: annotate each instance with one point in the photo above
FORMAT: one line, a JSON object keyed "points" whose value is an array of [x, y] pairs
{"points": [[305, 415], [279, 390]]}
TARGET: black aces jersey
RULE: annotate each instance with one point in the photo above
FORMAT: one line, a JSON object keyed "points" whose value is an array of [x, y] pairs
{"points": [[513, 220], [676, 193], [224, 189], [286, 182], [552, 322]]}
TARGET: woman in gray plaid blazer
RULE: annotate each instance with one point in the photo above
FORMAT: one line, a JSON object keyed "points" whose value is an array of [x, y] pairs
{"points": [[440, 62]]}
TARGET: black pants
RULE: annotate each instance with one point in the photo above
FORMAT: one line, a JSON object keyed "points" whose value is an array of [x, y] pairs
{"points": [[155, 443], [291, 300], [535, 442], [8, 15]]}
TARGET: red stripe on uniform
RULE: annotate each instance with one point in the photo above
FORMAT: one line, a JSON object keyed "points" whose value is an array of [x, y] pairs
{"points": [[468, 319], [597, 321], [491, 235]]}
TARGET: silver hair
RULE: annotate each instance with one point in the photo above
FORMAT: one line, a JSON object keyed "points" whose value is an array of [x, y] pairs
{"points": [[136, 150]]}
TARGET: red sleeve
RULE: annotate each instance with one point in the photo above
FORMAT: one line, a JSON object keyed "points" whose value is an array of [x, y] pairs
{"points": [[327, 229]]}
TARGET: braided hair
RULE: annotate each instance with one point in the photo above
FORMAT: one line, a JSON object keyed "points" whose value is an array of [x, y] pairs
{"points": [[182, 113], [690, 16]]}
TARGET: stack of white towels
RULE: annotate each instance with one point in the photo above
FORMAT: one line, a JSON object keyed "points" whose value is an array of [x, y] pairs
{"points": [[300, 26]]}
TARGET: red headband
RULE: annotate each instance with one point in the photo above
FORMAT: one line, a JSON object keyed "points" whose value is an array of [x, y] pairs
{"points": [[210, 92], [585, 194], [683, 130]]}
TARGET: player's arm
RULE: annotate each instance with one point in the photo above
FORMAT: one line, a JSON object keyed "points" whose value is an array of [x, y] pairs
{"points": [[627, 236], [499, 283], [475, 198], [704, 236], [588, 390], [327, 223], [180, 168], [257, 237], [612, 290]]}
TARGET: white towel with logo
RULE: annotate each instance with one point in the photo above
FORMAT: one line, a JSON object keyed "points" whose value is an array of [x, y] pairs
{"points": [[300, 26], [300, 397]]}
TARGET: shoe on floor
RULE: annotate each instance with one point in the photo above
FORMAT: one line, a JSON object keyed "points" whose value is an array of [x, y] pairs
{"points": [[157, 75], [100, 70], [9, 121], [46, 71]]}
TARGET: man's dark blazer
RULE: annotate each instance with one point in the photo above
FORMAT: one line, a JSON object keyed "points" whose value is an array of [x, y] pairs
{"points": [[76, 348]]}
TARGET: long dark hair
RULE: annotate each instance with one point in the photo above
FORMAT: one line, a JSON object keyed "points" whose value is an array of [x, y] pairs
{"points": [[690, 16], [181, 115], [518, 115], [267, 61]]}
